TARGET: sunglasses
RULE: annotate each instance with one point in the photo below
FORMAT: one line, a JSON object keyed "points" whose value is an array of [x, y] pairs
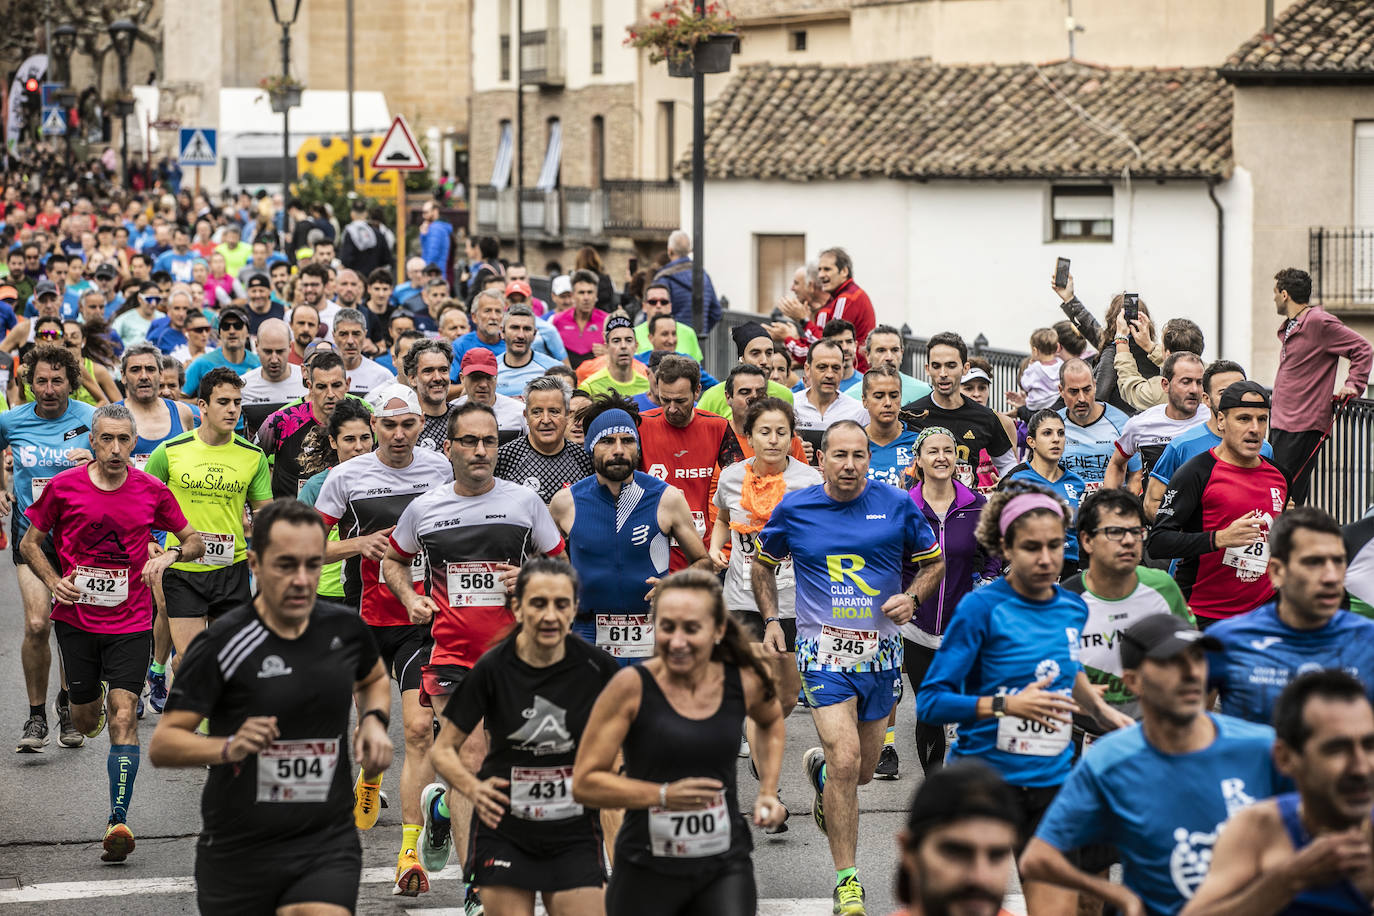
{"points": [[153, 300], [201, 329], [49, 335], [658, 302], [232, 326]]}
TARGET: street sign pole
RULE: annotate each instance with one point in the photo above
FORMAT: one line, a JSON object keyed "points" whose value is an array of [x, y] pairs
{"points": [[398, 151], [401, 223]]}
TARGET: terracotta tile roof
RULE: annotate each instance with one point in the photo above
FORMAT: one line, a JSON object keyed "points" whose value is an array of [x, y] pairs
{"points": [[1313, 39], [916, 120]]}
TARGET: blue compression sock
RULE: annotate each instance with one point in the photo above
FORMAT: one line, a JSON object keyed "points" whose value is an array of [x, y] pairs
{"points": [[122, 767]]}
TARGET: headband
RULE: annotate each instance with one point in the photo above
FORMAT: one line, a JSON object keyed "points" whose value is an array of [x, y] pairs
{"points": [[929, 431], [612, 422], [617, 322], [1019, 505]]}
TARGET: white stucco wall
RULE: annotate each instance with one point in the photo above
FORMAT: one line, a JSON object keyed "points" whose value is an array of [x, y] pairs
{"points": [[973, 257]]}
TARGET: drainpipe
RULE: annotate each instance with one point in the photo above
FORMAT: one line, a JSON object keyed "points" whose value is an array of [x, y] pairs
{"points": [[1221, 266]]}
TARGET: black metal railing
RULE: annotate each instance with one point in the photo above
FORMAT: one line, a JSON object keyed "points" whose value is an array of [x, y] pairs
{"points": [[640, 207], [1343, 482], [1341, 262]]}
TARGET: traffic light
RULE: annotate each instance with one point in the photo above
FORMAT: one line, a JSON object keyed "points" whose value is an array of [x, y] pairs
{"points": [[33, 95]]}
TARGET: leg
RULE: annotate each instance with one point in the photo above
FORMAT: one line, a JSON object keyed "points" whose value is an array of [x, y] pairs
{"points": [[729, 892], [930, 739], [580, 901], [122, 764], [162, 629], [838, 727], [36, 654], [416, 770], [184, 629], [508, 901], [471, 755], [313, 909]]}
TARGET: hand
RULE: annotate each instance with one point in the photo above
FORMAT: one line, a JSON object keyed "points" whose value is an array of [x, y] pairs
{"points": [[768, 811], [720, 560], [79, 456], [1144, 333], [774, 639], [155, 550], [1243, 532], [780, 330], [1346, 392], [374, 545], [1129, 904], [66, 591], [1016, 399], [692, 794], [652, 582], [1111, 718], [6, 502], [1036, 703], [900, 608], [508, 575], [1064, 292], [154, 568], [372, 748], [1329, 858], [794, 308], [489, 801], [598, 349], [255, 734], [810, 451], [422, 609]]}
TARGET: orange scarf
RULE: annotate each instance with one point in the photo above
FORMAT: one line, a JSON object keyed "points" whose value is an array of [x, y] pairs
{"points": [[759, 496]]}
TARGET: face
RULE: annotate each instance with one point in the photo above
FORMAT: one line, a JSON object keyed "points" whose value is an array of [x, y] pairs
{"points": [[488, 318], [92, 307], [519, 333], [480, 387], [685, 630], [73, 338], [1173, 689], [142, 377], [221, 413], [748, 389], [1280, 301], [937, 458], [1244, 429], [771, 436], [177, 308], [1116, 545], [453, 324], [51, 387], [434, 296], [279, 274], [309, 290], [656, 302], [831, 277], [472, 449], [327, 388], [677, 398], [575, 408], [1036, 555], [112, 442], [305, 324], [396, 436], [349, 338], [945, 368], [664, 336], [324, 253], [885, 350], [563, 301], [432, 378], [354, 439], [824, 369], [961, 869], [844, 463], [517, 272], [48, 306], [1312, 579], [780, 367], [217, 264], [849, 348], [883, 398], [1220, 382], [547, 418], [546, 608], [1335, 768], [1079, 391], [614, 457], [1048, 441], [584, 296], [620, 346], [1184, 390], [288, 571], [379, 293], [199, 272], [233, 333], [350, 288], [57, 273], [260, 298], [169, 384]]}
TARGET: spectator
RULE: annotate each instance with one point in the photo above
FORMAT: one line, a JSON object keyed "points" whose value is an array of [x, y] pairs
{"points": [[1180, 335], [581, 326], [847, 301], [436, 237], [1040, 380], [362, 249], [588, 259], [677, 274]]}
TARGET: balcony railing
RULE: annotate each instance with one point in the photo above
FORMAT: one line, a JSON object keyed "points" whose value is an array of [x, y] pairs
{"points": [[636, 209], [1341, 262], [496, 211], [540, 211], [541, 57]]}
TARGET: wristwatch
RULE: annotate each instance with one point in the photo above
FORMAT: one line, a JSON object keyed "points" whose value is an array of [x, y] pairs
{"points": [[177, 547], [999, 706]]}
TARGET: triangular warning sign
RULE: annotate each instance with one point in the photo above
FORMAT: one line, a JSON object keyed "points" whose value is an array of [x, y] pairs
{"points": [[54, 124], [399, 150]]}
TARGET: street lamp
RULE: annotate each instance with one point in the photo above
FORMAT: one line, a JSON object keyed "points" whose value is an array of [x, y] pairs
{"points": [[286, 22], [63, 43], [122, 35]]}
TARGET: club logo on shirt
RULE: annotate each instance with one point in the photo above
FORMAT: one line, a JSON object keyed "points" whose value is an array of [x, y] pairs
{"points": [[1277, 496], [1266, 642], [545, 730], [273, 666], [639, 535], [335, 644], [1190, 859], [1048, 668], [532, 483], [659, 471]]}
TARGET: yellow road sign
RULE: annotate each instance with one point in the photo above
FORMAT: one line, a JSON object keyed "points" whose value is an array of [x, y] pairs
{"points": [[319, 155]]}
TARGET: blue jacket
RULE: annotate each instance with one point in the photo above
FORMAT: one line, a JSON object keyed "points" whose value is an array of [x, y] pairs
{"points": [[678, 277], [434, 244]]}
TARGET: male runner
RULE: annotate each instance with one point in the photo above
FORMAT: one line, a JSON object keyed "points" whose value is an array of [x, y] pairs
{"points": [[278, 678], [212, 473], [1148, 433], [1091, 427], [46, 435], [101, 517], [1304, 628], [1305, 853], [474, 534], [850, 606], [277, 380], [365, 496], [543, 459], [283, 433], [426, 368]]}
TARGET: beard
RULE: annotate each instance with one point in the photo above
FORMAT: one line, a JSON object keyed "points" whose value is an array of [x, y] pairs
{"points": [[616, 471]]}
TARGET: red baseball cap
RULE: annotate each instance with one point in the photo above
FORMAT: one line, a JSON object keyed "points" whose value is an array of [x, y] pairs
{"points": [[519, 286], [478, 359]]}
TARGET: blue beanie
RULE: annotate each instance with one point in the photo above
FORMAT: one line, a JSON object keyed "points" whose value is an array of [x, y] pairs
{"points": [[607, 423]]}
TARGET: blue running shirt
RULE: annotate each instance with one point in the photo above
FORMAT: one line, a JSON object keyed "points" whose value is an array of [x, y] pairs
{"points": [[1088, 449], [40, 449], [848, 561], [888, 463], [1189, 445]]}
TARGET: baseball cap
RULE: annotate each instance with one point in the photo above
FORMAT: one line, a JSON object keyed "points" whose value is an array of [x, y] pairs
{"points": [[8, 292], [106, 271], [232, 311], [1236, 392], [478, 359], [44, 288], [1161, 637], [432, 269], [975, 373], [379, 398], [259, 279], [561, 284], [518, 286], [317, 346]]}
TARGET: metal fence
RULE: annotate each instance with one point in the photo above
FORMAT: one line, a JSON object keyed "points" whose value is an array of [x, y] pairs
{"points": [[1341, 262]]}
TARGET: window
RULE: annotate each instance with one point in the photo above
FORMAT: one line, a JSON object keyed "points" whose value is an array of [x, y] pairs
{"points": [[796, 40], [553, 156], [504, 28], [776, 259], [263, 170], [505, 157], [667, 154], [1079, 213], [598, 151], [596, 38]]}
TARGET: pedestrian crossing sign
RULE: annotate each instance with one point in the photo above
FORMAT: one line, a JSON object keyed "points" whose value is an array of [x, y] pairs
{"points": [[196, 146], [54, 122]]}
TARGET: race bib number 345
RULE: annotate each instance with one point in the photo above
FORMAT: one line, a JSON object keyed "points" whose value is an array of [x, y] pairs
{"points": [[846, 648]]}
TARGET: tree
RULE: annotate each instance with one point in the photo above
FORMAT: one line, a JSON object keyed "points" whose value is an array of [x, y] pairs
{"points": [[92, 20]]}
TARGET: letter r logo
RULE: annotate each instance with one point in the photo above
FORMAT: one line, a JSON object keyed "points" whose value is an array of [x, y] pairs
{"points": [[835, 565]]}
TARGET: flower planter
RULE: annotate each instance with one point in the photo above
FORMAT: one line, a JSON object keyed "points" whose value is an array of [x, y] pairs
{"points": [[285, 100], [711, 55]]}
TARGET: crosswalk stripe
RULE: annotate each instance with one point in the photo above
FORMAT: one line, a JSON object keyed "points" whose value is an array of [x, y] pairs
{"points": [[73, 890]]}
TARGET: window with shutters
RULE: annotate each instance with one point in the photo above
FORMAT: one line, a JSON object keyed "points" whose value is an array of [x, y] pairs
{"points": [[1081, 213], [1363, 205]]}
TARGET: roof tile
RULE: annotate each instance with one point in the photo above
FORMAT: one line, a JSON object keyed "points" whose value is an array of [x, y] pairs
{"points": [[1333, 38]]}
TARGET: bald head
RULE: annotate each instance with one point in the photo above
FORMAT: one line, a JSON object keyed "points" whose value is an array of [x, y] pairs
{"points": [[274, 345], [1078, 388], [415, 270]]}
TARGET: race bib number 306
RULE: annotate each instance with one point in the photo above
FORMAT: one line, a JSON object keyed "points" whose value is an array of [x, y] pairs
{"points": [[297, 771], [1025, 736]]}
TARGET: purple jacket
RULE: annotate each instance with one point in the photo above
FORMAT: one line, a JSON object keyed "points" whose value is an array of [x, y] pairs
{"points": [[961, 553]]}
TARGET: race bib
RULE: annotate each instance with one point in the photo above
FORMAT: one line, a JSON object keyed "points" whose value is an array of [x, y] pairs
{"points": [[690, 834], [297, 771], [140, 461], [418, 568], [1250, 561], [625, 635], [102, 587], [1092, 486], [1024, 736], [699, 520], [846, 648], [37, 485], [219, 549], [542, 794], [474, 585]]}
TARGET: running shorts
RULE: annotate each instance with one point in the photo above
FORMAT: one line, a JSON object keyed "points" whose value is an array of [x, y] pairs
{"points": [[405, 650], [260, 880], [206, 594], [876, 691], [494, 861], [120, 659], [438, 682]]}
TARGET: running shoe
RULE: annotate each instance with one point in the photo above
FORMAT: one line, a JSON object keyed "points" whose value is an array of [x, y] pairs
{"points": [[411, 880], [99, 723], [887, 764], [119, 842], [67, 733], [139, 711], [367, 802], [34, 737], [157, 691], [849, 898], [436, 842], [813, 760], [472, 904]]}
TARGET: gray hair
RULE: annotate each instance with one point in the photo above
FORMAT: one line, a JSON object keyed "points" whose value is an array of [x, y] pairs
{"points": [[181, 289], [411, 364], [679, 243], [140, 349], [165, 362], [350, 316], [813, 273], [519, 309], [549, 383], [93, 291], [495, 294], [117, 412]]}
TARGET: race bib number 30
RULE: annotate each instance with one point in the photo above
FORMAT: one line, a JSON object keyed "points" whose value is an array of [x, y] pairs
{"points": [[297, 771], [474, 585], [102, 587], [219, 549], [1024, 736], [625, 635], [542, 794], [846, 648], [690, 834]]}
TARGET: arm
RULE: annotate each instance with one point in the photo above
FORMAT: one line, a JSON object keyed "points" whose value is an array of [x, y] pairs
{"points": [[1135, 390], [1154, 492], [1235, 884], [1007, 460], [1355, 348], [1091, 701], [562, 509], [107, 383], [1042, 862], [674, 510], [720, 536], [1177, 530], [31, 549], [176, 743], [488, 800], [192, 547], [1115, 474], [396, 574], [372, 748]]}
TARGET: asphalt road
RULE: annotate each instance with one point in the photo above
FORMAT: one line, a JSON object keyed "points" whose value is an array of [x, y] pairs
{"points": [[54, 805]]}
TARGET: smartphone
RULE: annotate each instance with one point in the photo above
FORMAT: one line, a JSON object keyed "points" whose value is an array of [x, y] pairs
{"points": [[1061, 273], [634, 265], [1130, 307]]}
